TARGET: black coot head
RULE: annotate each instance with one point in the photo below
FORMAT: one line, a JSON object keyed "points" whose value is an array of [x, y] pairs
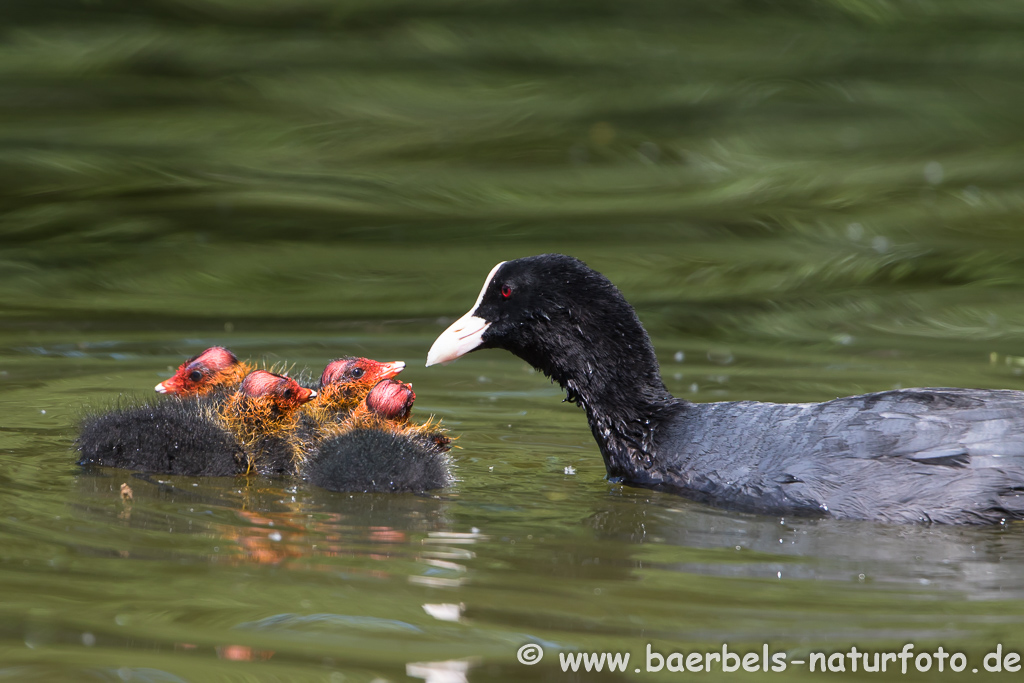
{"points": [[558, 315], [519, 301]]}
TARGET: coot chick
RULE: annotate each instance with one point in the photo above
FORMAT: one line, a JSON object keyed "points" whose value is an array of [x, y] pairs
{"points": [[173, 436], [344, 384], [951, 456], [377, 450], [251, 431], [388, 406], [263, 415], [214, 370]]}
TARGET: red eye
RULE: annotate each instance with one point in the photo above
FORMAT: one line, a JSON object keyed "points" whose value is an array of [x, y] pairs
{"points": [[506, 291]]}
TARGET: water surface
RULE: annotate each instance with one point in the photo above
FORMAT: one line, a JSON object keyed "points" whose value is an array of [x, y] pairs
{"points": [[803, 200]]}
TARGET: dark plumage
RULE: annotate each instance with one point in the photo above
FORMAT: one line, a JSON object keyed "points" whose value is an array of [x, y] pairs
{"points": [[915, 455], [250, 431], [377, 448], [377, 460], [172, 436]]}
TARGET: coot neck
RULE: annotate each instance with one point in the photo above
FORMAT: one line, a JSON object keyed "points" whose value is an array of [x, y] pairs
{"points": [[609, 368]]}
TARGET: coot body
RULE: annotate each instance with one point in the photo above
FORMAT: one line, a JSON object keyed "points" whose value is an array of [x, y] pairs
{"points": [[916, 455]]}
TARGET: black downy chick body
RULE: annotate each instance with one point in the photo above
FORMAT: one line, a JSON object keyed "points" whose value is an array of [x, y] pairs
{"points": [[379, 452], [170, 436]]}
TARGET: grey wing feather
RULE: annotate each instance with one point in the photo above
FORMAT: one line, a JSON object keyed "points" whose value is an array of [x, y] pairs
{"points": [[942, 455]]}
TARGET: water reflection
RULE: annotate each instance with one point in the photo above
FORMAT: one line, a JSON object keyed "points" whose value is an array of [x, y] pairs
{"points": [[979, 562], [270, 522], [451, 671]]}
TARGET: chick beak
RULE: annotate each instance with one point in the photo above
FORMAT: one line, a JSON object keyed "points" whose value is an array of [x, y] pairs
{"points": [[391, 369]]}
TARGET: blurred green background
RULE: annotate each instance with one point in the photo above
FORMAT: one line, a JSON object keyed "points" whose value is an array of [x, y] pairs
{"points": [[803, 199], [355, 160]]}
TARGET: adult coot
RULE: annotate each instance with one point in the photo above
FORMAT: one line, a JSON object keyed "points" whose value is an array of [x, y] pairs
{"points": [[952, 456]]}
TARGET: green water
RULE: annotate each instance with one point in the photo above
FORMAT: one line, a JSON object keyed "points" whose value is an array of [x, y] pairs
{"points": [[802, 199]]}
